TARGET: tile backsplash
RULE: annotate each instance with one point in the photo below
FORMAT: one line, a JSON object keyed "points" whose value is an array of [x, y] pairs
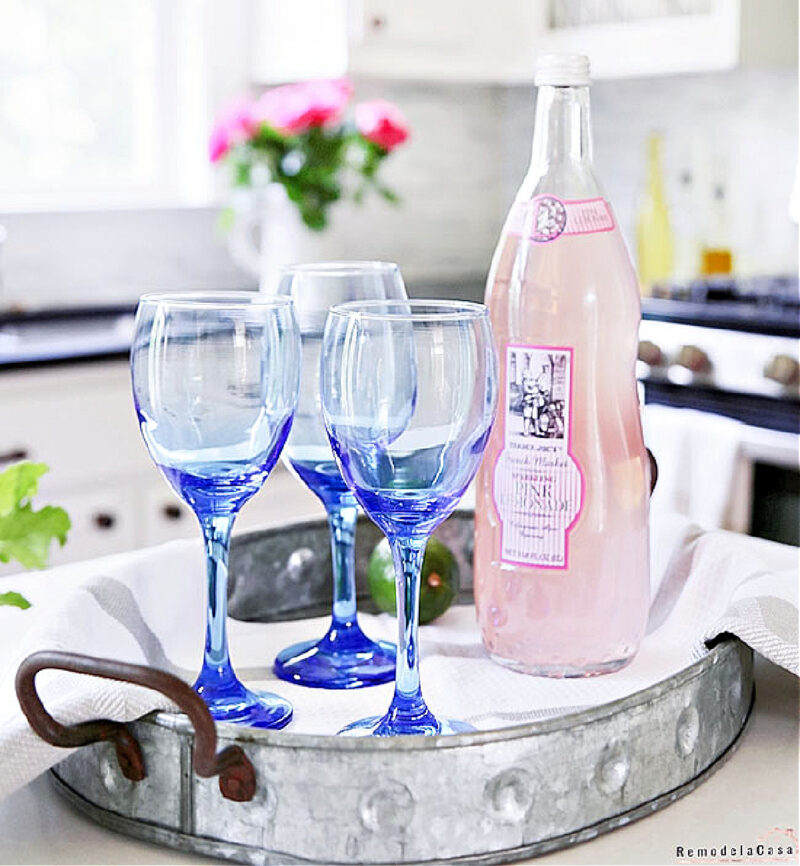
{"points": [[456, 177], [744, 125], [471, 147]]}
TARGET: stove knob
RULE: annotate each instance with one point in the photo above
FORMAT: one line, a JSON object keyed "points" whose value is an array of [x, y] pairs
{"points": [[694, 359], [783, 369], [650, 353]]}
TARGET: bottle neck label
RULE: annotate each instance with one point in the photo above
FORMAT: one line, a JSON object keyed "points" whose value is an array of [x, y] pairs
{"points": [[538, 485], [544, 218]]}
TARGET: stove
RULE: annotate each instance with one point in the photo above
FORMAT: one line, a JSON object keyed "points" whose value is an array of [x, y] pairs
{"points": [[764, 305], [725, 346], [730, 347]]}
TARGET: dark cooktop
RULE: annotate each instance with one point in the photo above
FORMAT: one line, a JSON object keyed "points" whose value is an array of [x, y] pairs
{"points": [[759, 305]]}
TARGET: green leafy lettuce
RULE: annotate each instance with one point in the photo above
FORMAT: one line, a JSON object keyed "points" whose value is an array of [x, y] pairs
{"points": [[26, 534]]}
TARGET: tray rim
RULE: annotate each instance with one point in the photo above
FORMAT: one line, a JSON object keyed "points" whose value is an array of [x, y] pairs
{"points": [[725, 645], [177, 840]]}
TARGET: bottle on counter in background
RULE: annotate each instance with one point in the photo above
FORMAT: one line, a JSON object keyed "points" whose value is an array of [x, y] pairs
{"points": [[654, 239], [716, 257], [687, 247], [561, 537]]}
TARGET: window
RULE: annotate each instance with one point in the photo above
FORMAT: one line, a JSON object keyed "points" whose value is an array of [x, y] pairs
{"points": [[103, 102]]}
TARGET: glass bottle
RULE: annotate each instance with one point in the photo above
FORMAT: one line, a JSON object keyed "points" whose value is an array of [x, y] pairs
{"points": [[561, 546], [716, 258], [654, 240], [687, 257]]}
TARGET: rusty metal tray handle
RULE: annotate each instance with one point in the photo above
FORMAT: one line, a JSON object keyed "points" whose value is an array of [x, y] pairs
{"points": [[237, 778]]}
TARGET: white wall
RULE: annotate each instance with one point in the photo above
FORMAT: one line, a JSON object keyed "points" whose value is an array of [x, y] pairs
{"points": [[457, 176], [93, 257]]}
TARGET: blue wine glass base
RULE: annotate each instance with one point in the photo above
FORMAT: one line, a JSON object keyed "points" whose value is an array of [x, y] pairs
{"points": [[238, 704], [337, 661], [385, 726], [408, 715]]}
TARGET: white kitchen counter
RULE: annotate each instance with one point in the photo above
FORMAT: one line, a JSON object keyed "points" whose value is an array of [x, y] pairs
{"points": [[755, 791]]}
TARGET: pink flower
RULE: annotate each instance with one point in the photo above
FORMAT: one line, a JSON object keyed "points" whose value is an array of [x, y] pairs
{"points": [[295, 108], [218, 144], [234, 126], [382, 123]]}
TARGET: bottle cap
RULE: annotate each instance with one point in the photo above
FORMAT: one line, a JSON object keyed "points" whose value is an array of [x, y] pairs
{"points": [[562, 70]]}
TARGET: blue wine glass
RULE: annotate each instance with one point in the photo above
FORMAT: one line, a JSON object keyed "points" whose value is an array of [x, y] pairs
{"points": [[344, 658], [409, 392], [215, 383]]}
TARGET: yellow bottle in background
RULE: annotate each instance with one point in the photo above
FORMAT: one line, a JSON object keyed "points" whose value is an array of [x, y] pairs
{"points": [[654, 240]]}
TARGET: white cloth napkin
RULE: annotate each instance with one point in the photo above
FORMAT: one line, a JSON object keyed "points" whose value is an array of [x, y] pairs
{"points": [[698, 457], [148, 607]]}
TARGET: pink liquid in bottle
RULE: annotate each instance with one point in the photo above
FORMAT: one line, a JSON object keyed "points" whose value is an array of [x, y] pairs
{"points": [[561, 538]]}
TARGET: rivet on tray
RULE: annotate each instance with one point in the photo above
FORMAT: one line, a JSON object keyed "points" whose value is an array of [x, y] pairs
{"points": [[509, 795], [687, 731], [613, 768], [734, 696], [298, 561], [109, 772], [469, 547], [387, 809], [351, 847]]}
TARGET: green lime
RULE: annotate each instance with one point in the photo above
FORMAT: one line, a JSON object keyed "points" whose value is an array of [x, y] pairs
{"points": [[438, 586]]}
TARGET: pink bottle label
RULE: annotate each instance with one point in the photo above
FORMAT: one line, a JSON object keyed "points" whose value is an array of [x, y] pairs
{"points": [[547, 217], [538, 486]]}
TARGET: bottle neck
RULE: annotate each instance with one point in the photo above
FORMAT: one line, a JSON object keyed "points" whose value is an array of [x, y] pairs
{"points": [[561, 157], [654, 172]]}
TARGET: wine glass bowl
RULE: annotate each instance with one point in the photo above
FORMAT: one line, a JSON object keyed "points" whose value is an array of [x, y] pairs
{"points": [[344, 657], [409, 392], [215, 383]]}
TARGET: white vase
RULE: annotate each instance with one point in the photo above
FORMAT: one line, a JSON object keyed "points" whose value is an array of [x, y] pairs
{"points": [[267, 234]]}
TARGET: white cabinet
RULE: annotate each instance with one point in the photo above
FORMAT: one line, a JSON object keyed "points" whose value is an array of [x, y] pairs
{"points": [[471, 40], [164, 515], [446, 40], [104, 520], [291, 40], [631, 38], [79, 419]]}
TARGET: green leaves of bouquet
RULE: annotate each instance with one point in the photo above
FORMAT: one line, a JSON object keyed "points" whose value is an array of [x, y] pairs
{"points": [[297, 135], [26, 534]]}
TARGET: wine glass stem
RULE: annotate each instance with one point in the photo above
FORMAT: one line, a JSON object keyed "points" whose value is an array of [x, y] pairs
{"points": [[408, 554], [342, 514], [217, 536]]}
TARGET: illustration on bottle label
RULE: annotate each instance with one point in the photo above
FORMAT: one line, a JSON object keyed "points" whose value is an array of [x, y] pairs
{"points": [[538, 486], [546, 217]]}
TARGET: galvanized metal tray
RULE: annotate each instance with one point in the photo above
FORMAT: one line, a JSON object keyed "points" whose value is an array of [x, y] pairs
{"points": [[486, 797]]}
